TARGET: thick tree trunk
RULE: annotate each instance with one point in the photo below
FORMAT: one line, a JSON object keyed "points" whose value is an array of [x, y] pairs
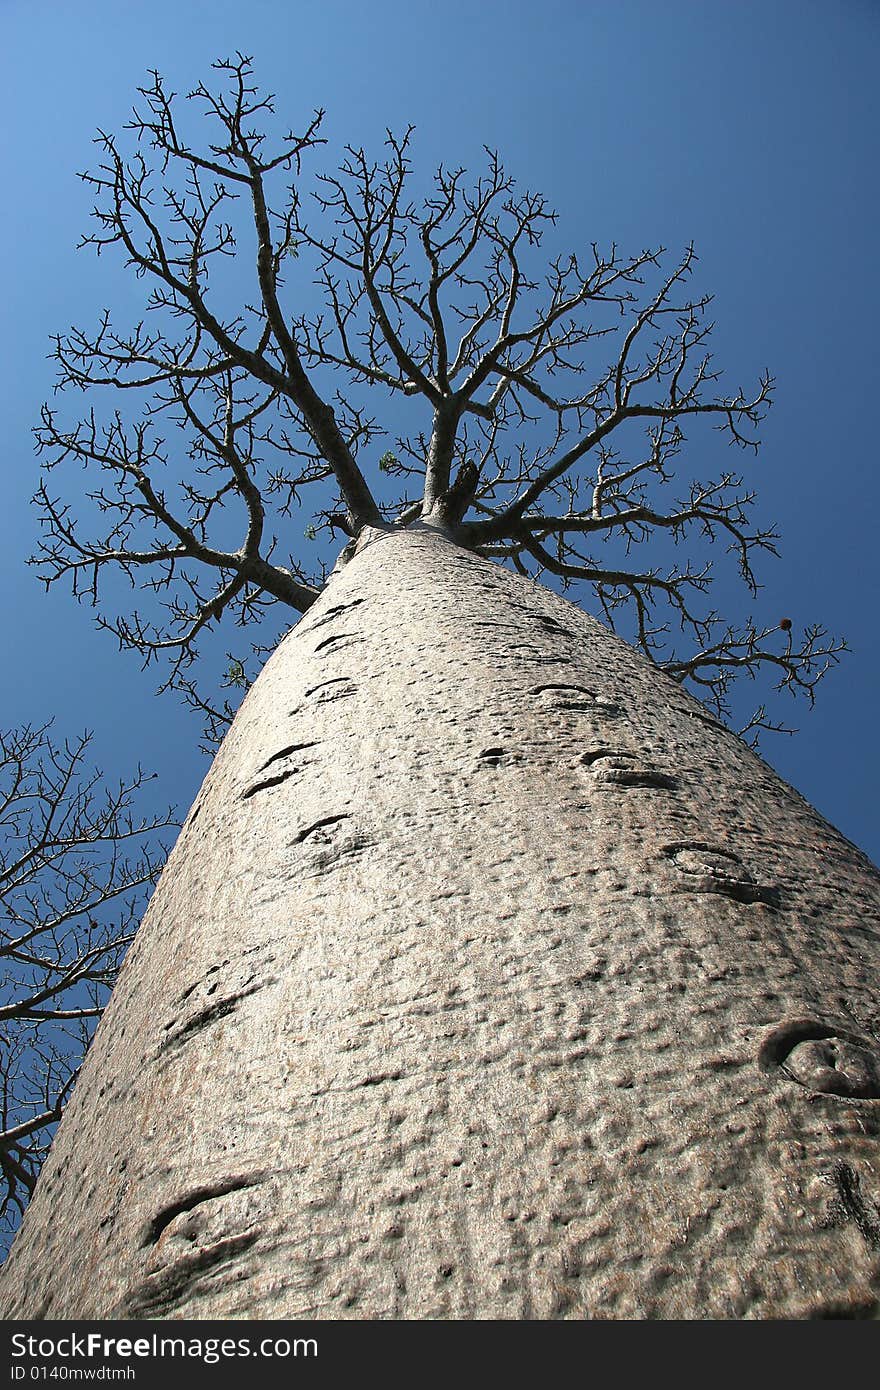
{"points": [[490, 977]]}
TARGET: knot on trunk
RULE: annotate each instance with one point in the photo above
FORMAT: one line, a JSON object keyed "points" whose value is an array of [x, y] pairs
{"points": [[452, 504]]}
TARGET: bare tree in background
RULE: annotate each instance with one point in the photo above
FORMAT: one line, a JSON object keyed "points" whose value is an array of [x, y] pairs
{"points": [[75, 869], [491, 976]]}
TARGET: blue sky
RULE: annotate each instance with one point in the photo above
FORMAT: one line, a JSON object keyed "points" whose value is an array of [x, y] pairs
{"points": [[749, 128]]}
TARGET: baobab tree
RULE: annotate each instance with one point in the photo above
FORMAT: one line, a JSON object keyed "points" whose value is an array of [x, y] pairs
{"points": [[492, 974], [75, 867]]}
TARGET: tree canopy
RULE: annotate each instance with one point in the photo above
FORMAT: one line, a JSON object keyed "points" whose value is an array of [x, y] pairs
{"points": [[383, 351]]}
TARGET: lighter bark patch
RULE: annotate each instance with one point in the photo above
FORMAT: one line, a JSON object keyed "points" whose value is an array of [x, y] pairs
{"points": [[533, 656]]}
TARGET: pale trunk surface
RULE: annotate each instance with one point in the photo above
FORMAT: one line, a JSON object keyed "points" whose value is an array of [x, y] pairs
{"points": [[490, 977]]}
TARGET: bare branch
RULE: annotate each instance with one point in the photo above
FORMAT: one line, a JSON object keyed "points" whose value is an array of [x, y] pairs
{"points": [[540, 397], [76, 866]]}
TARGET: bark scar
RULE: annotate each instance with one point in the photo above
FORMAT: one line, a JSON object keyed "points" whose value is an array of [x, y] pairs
{"points": [[852, 1200], [337, 637], [318, 825], [269, 782], [194, 1199], [286, 752]]}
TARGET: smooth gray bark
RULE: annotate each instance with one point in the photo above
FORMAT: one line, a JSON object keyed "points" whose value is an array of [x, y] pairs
{"points": [[490, 977]]}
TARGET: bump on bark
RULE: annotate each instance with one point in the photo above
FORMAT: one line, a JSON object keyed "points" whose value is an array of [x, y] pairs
{"points": [[452, 504]]}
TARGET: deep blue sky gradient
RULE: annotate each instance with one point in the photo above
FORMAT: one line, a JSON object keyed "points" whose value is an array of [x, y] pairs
{"points": [[750, 128]]}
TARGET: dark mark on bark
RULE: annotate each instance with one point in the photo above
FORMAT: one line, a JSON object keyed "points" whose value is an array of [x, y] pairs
{"points": [[741, 892], [337, 637], [162, 1292], [713, 870], [577, 698], [636, 777], [823, 1058], [208, 1193], [614, 768], [324, 685], [286, 752], [332, 613], [506, 627], [279, 777], [854, 1204], [205, 1017], [337, 688], [269, 782], [562, 690], [554, 626], [707, 719], [318, 825]]}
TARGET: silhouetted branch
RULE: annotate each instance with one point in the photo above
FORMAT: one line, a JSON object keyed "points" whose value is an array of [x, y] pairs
{"points": [[75, 870]]}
